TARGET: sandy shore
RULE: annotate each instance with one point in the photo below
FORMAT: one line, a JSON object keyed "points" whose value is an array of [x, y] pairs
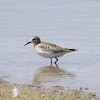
{"points": [[31, 92]]}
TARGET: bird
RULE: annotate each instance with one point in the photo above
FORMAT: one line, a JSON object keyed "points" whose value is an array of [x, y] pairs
{"points": [[48, 50]]}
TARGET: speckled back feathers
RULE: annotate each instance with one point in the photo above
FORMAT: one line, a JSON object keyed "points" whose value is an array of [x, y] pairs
{"points": [[51, 48]]}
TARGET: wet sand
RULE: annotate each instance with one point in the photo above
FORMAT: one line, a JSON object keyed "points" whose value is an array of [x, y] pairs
{"points": [[36, 92]]}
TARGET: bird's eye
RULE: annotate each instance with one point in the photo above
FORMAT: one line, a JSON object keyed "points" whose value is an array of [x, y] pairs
{"points": [[33, 39]]}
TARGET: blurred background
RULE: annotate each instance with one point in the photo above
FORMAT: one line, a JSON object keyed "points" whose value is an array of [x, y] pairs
{"points": [[68, 23]]}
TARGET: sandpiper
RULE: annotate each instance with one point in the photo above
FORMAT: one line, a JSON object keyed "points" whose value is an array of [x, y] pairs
{"points": [[48, 50]]}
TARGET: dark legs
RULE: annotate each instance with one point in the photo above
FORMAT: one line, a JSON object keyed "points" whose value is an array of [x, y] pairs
{"points": [[56, 60]]}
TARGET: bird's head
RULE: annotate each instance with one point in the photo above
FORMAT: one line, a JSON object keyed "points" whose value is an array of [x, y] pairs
{"points": [[35, 40]]}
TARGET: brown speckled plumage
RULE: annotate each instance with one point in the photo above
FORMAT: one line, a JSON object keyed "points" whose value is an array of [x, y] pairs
{"points": [[51, 47]]}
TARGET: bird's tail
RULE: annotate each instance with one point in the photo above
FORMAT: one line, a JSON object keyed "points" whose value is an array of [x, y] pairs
{"points": [[70, 50]]}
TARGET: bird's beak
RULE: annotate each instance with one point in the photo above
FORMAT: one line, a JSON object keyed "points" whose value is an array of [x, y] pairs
{"points": [[27, 43]]}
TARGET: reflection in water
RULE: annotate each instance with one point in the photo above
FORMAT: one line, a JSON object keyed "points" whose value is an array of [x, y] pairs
{"points": [[50, 74]]}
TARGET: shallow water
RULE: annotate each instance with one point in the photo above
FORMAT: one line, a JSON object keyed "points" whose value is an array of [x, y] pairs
{"points": [[68, 23]]}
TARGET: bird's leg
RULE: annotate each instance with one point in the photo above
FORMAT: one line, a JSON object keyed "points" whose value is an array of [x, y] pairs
{"points": [[56, 60], [51, 61]]}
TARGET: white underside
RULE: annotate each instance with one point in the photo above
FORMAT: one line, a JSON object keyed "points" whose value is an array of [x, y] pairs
{"points": [[50, 55]]}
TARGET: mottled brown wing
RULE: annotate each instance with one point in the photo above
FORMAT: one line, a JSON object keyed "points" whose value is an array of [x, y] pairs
{"points": [[51, 47]]}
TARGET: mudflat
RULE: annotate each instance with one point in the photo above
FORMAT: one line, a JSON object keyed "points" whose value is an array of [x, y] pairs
{"points": [[36, 92]]}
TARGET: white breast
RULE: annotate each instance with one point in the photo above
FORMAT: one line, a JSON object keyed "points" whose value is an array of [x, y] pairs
{"points": [[50, 54]]}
